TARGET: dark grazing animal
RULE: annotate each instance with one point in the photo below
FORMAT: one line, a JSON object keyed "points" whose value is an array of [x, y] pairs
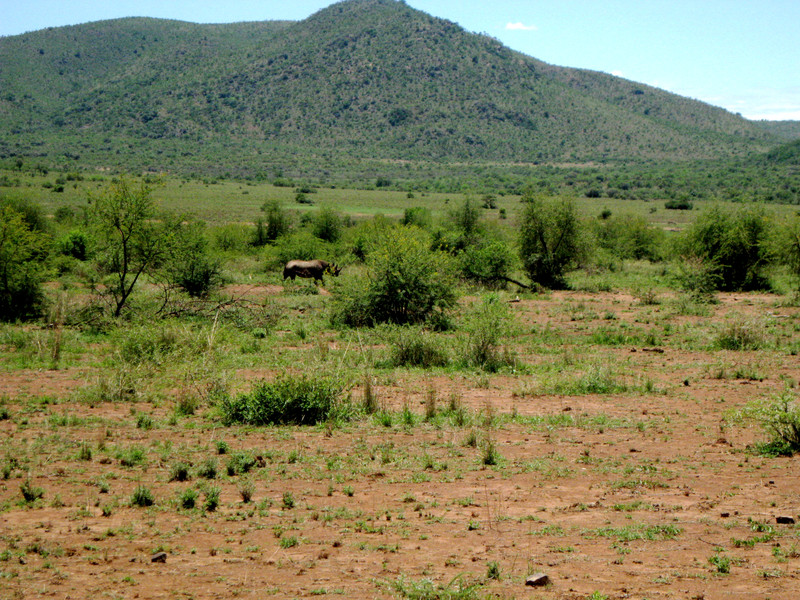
{"points": [[310, 268]]}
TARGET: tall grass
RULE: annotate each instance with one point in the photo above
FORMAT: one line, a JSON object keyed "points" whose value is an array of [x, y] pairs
{"points": [[290, 399]]}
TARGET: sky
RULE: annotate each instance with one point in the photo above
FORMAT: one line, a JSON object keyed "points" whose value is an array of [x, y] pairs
{"points": [[741, 55]]}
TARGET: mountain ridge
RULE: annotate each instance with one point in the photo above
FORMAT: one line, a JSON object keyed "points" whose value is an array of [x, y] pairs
{"points": [[360, 79]]}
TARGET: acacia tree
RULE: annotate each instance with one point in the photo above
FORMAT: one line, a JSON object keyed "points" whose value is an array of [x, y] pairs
{"points": [[130, 242], [550, 240]]}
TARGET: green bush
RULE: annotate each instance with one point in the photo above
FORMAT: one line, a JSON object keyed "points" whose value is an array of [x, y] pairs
{"points": [[487, 263], [630, 236], [780, 418], [142, 497], [190, 266], [130, 242], [288, 399], [786, 244], [418, 216], [327, 225], [301, 245], [276, 224], [405, 283], [30, 493], [679, 204], [413, 347], [188, 498], [740, 334], [231, 237], [487, 323], [550, 239], [157, 344], [22, 252], [734, 243], [74, 244], [239, 463]]}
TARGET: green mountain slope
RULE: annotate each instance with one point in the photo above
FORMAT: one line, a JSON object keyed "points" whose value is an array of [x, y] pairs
{"points": [[362, 79]]}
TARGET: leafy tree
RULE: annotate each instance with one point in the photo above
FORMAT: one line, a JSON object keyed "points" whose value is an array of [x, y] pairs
{"points": [[22, 251], [405, 282], [550, 239], [130, 242]]}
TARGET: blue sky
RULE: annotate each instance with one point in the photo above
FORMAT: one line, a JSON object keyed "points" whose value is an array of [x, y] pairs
{"points": [[742, 55]]}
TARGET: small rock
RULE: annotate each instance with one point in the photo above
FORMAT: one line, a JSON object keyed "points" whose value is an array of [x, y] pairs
{"points": [[785, 520], [537, 579], [725, 515], [159, 557]]}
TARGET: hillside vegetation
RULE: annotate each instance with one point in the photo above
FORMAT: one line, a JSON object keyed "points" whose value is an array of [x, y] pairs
{"points": [[361, 79]]}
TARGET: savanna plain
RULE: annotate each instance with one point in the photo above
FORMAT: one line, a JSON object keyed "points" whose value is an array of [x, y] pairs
{"points": [[625, 436]]}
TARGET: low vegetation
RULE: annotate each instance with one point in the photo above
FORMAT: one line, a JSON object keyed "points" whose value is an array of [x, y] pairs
{"points": [[439, 394]]}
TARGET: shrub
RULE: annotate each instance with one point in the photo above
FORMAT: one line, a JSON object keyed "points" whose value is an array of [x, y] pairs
{"points": [[190, 266], [786, 244], [630, 236], [288, 399], [549, 239], [130, 242], [30, 493], [679, 204], [239, 463], [418, 216], [22, 252], [212, 499], [142, 497], [487, 323], [698, 278], [466, 221], [208, 470], [405, 283], [277, 221], [327, 225], [74, 244], [179, 472], [188, 499], [231, 237], [487, 263], [413, 347], [301, 245], [733, 244], [779, 416], [740, 334]]}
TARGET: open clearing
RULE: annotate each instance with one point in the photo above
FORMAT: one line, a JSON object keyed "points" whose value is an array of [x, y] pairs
{"points": [[611, 463]]}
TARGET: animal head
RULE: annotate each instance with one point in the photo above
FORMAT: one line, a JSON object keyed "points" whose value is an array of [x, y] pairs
{"points": [[333, 270]]}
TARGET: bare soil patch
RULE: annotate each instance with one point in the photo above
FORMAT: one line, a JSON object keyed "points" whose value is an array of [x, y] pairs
{"points": [[648, 492]]}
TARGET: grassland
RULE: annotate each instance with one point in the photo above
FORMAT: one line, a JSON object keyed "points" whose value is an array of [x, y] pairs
{"points": [[608, 450]]}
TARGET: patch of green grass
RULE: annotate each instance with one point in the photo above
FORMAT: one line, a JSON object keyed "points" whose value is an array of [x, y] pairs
{"points": [[289, 399], [142, 497], [425, 589], [637, 531]]}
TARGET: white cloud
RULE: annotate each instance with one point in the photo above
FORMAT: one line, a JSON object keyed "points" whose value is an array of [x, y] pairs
{"points": [[617, 73], [789, 115], [520, 27]]}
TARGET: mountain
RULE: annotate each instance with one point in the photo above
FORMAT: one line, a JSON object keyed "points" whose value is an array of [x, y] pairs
{"points": [[359, 80]]}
